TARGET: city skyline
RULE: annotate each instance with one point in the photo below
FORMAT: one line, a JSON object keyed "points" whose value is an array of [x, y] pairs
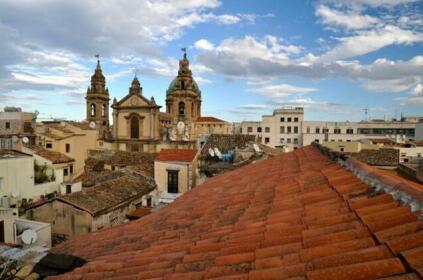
{"points": [[331, 57]]}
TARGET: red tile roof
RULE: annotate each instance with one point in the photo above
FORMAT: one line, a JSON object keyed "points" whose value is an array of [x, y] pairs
{"points": [[209, 119], [297, 215], [183, 155]]}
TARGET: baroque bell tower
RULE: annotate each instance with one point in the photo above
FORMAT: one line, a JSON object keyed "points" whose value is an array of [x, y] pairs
{"points": [[97, 101]]}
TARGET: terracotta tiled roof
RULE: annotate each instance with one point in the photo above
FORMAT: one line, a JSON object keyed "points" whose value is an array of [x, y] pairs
{"points": [[184, 155], [293, 216], [6, 153], [110, 193], [209, 119], [53, 156]]}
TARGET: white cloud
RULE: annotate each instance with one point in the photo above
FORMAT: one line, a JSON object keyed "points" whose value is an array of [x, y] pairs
{"points": [[418, 90], [371, 40], [203, 44], [350, 20], [281, 90]]}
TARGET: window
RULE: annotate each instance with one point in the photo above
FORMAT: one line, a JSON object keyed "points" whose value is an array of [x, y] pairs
{"points": [[325, 130], [172, 181], [337, 131], [282, 119], [249, 129], [289, 119], [68, 148], [295, 129], [266, 140], [295, 119], [49, 145], [316, 140], [92, 110], [288, 128], [135, 127], [288, 140], [68, 189], [259, 129], [71, 169], [267, 129], [182, 84], [282, 129], [295, 140], [308, 129], [65, 172], [282, 140], [103, 112], [341, 149], [181, 107], [350, 131], [28, 127], [7, 125], [317, 130]]}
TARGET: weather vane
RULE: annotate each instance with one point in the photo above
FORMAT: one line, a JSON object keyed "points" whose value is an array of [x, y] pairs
{"points": [[135, 71], [185, 52], [98, 56]]}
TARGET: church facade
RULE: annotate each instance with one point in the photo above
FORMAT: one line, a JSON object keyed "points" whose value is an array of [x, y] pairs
{"points": [[138, 123]]}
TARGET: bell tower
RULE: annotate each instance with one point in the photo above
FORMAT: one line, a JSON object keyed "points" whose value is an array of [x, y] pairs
{"points": [[97, 101], [183, 97]]}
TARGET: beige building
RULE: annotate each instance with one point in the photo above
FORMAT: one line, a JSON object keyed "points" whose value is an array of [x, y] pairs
{"points": [[16, 127], [175, 171], [211, 125], [72, 139], [136, 121], [101, 206], [287, 129]]}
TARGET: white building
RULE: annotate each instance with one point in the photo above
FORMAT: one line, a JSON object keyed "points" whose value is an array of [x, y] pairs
{"points": [[287, 129]]}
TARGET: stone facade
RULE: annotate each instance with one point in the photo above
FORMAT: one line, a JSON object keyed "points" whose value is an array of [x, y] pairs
{"points": [[136, 121], [97, 102]]}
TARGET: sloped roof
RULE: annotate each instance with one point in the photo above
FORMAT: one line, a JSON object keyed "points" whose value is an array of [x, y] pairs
{"points": [[184, 155], [53, 156], [110, 193], [209, 119], [296, 215]]}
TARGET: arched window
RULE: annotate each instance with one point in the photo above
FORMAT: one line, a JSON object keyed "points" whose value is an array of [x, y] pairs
{"points": [[92, 110], [135, 127], [182, 84], [103, 112], [181, 108]]}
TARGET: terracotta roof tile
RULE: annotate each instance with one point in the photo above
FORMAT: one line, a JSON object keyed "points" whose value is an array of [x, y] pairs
{"points": [[405, 276], [184, 155], [53, 156], [366, 270], [209, 119], [292, 216]]}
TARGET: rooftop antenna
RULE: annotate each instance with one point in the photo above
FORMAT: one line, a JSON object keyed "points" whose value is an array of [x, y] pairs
{"points": [[366, 112]]}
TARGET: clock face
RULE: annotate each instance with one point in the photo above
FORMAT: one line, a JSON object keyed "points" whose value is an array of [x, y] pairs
{"points": [[181, 125]]}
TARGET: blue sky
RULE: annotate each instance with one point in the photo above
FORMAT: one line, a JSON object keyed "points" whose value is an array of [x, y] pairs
{"points": [[332, 57]]}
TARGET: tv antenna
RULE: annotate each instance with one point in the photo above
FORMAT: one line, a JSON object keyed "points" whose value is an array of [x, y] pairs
{"points": [[366, 112]]}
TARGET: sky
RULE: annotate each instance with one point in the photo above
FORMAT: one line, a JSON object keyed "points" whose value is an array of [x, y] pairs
{"points": [[335, 58]]}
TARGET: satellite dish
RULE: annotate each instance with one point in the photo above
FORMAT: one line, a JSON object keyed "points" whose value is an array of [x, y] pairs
{"points": [[15, 139], [29, 236], [15, 194], [25, 140], [256, 148], [217, 152], [63, 124], [211, 152], [92, 124]]}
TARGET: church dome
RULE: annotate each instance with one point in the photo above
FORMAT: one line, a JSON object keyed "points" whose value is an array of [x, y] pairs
{"points": [[172, 86]]}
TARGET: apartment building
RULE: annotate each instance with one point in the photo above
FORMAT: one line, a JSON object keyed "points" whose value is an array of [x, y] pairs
{"points": [[287, 129], [16, 127]]}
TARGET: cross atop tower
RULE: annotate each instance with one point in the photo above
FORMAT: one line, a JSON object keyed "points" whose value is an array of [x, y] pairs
{"points": [[184, 50]]}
